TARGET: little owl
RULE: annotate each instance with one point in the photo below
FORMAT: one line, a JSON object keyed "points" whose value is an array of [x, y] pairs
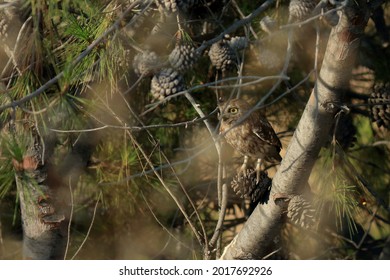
{"points": [[251, 135]]}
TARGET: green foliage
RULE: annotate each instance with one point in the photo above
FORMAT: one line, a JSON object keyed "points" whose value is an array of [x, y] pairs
{"points": [[345, 205], [11, 152], [365, 135], [82, 30], [7, 176], [336, 195]]}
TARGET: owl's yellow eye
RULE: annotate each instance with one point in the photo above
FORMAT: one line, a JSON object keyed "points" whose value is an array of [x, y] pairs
{"points": [[233, 110]]}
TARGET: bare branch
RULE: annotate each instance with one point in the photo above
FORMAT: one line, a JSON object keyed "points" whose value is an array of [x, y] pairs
{"points": [[89, 228], [237, 25], [255, 239]]}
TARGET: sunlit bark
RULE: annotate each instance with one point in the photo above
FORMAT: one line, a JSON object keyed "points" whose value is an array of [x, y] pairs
{"points": [[256, 238]]}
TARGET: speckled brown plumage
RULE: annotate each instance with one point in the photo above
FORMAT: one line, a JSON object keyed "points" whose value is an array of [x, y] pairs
{"points": [[252, 136]]}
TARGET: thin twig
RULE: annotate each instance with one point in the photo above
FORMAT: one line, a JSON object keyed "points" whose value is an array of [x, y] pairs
{"points": [[114, 27], [235, 5], [214, 85], [155, 171], [136, 128], [206, 122], [5, 5], [174, 173], [12, 53], [222, 211], [70, 217], [236, 25], [282, 73], [272, 253], [317, 49], [161, 224], [312, 18], [90, 226], [368, 228], [175, 199], [222, 191], [334, 234]]}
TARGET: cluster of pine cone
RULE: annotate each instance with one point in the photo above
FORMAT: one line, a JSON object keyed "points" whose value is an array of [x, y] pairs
{"points": [[167, 77], [173, 6], [245, 186], [223, 54], [380, 104]]}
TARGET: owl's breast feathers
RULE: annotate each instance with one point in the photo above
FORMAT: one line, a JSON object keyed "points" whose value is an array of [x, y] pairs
{"points": [[254, 137]]}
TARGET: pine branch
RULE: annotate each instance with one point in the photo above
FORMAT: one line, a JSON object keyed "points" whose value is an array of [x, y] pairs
{"points": [[264, 224], [112, 29]]}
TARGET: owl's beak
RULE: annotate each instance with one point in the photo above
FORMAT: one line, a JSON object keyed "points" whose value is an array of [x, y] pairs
{"points": [[222, 116]]}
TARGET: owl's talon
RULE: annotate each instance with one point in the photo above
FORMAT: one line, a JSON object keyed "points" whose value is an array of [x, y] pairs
{"points": [[258, 170], [243, 169]]}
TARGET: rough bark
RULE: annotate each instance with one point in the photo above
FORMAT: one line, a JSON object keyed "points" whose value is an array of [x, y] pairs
{"points": [[264, 224], [44, 223], [43, 205]]}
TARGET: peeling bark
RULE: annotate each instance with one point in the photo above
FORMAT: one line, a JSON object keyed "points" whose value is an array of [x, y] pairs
{"points": [[256, 238], [44, 208], [44, 227]]}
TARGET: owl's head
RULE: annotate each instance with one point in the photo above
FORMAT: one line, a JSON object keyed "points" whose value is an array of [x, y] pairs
{"points": [[232, 110]]}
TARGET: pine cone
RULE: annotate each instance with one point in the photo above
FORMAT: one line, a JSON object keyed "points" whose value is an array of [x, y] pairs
{"points": [[222, 55], [238, 43], [183, 57], [139, 19], [167, 5], [166, 82], [301, 212], [300, 10], [9, 16], [3, 29], [146, 63], [380, 104], [173, 6], [268, 24], [246, 187]]}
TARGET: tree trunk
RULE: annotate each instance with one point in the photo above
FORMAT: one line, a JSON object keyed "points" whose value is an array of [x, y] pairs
{"points": [[256, 238], [43, 202], [44, 223]]}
